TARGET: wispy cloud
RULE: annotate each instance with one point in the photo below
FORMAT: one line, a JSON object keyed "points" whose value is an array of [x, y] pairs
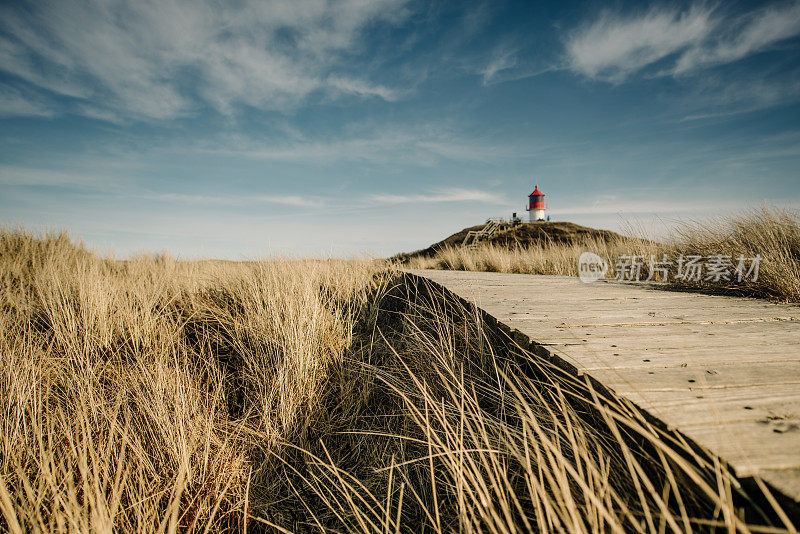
{"points": [[642, 207], [130, 187], [741, 38], [361, 88], [419, 146], [613, 47], [439, 196], [296, 201], [164, 59], [31, 176], [730, 98], [14, 103], [501, 61]]}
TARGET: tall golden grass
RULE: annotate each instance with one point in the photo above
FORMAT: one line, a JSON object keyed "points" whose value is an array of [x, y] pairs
{"points": [[544, 258], [160, 395], [769, 232], [494, 439], [132, 393]]}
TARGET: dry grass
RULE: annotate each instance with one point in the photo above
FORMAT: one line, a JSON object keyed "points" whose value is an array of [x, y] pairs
{"points": [[769, 232], [772, 233], [156, 395], [132, 393], [492, 439], [546, 258]]}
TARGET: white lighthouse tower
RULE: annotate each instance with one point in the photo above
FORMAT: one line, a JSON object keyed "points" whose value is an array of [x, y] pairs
{"points": [[536, 207]]}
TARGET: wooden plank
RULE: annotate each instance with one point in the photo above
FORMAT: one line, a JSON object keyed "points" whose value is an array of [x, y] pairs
{"points": [[778, 407], [748, 446], [581, 301], [725, 371], [593, 358], [688, 379], [743, 397], [629, 317], [666, 336]]}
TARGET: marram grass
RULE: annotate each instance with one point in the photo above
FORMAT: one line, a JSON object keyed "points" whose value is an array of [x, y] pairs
{"points": [[156, 395]]}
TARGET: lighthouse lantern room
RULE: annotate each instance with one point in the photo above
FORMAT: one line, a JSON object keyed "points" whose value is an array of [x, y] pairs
{"points": [[536, 207]]}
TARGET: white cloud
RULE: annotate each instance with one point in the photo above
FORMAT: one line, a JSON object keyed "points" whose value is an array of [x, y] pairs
{"points": [[613, 47], [443, 195], [753, 34], [128, 187], [160, 59], [644, 206], [502, 61], [361, 88], [724, 99], [285, 200], [13, 103], [298, 201], [423, 145], [27, 176]]}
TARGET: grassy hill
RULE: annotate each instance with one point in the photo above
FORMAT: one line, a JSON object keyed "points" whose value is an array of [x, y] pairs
{"points": [[524, 235]]}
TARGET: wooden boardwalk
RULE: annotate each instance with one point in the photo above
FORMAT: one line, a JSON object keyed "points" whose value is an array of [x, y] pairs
{"points": [[724, 371]]}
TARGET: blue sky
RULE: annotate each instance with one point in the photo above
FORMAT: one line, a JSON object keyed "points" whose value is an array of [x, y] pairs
{"points": [[349, 127]]}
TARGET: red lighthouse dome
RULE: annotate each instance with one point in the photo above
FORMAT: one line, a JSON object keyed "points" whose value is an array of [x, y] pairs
{"points": [[536, 200]]}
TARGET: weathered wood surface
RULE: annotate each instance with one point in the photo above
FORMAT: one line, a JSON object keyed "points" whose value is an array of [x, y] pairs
{"points": [[724, 371]]}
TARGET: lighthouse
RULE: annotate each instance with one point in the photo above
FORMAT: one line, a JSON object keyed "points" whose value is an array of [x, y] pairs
{"points": [[536, 206]]}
